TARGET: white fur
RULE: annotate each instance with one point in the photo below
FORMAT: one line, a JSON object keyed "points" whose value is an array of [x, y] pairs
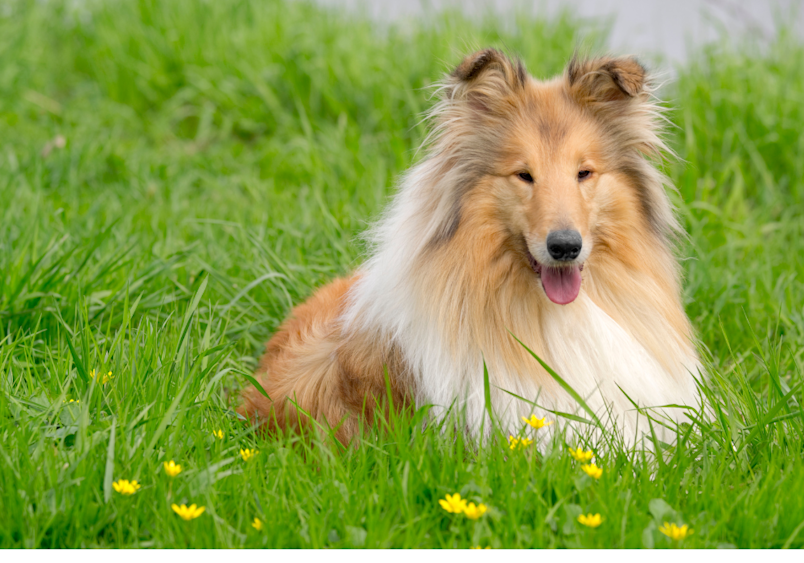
{"points": [[595, 355]]}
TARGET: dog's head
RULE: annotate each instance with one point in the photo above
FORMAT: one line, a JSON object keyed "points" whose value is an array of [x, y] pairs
{"points": [[558, 166]]}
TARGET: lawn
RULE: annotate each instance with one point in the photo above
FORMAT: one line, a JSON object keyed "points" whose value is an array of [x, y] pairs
{"points": [[174, 176]]}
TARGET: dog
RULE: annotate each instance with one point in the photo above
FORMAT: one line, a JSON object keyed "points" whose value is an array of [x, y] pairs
{"points": [[537, 217]]}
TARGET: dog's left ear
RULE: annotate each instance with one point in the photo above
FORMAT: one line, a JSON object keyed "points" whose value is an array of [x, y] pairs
{"points": [[606, 83], [484, 80]]}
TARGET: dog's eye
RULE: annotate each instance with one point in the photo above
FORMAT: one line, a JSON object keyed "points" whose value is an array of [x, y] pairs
{"points": [[525, 177], [583, 175]]}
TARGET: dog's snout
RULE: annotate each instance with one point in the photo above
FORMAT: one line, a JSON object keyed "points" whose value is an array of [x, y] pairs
{"points": [[564, 245]]}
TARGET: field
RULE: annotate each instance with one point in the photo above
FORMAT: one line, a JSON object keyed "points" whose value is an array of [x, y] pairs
{"points": [[174, 176]]}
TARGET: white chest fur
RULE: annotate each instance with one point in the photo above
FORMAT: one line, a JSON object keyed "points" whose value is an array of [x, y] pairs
{"points": [[584, 345], [603, 363]]}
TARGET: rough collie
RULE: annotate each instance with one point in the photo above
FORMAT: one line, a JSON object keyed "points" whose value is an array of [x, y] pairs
{"points": [[537, 212]]}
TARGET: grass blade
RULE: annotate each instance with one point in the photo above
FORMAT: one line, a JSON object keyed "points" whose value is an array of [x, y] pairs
{"points": [[108, 476], [564, 385]]}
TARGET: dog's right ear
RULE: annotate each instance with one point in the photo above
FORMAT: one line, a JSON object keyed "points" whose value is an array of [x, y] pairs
{"points": [[484, 80], [606, 83]]}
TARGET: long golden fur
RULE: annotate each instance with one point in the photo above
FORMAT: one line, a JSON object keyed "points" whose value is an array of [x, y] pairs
{"points": [[460, 259]]}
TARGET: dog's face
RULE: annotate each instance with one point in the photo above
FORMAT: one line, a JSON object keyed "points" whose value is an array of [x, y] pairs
{"points": [[562, 168], [552, 169]]}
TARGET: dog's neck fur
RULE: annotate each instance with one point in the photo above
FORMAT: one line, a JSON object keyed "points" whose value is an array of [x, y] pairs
{"points": [[449, 308]]}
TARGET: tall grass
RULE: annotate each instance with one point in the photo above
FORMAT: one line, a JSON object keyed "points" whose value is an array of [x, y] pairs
{"points": [[219, 161]]}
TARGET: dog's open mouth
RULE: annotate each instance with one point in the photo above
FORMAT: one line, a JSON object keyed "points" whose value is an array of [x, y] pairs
{"points": [[561, 283]]}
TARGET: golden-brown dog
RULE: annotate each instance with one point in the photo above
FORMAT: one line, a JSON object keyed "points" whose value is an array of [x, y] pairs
{"points": [[538, 211]]}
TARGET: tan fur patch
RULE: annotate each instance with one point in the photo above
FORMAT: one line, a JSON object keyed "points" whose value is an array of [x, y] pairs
{"points": [[328, 377]]}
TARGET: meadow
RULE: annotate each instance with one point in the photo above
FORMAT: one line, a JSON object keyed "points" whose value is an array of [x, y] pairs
{"points": [[174, 176]]}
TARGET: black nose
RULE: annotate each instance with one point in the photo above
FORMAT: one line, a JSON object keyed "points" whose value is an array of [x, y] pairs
{"points": [[564, 245]]}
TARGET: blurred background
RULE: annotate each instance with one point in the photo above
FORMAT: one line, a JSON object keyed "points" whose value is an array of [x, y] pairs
{"points": [[666, 31]]}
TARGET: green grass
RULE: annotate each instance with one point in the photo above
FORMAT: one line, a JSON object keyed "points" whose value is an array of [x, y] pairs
{"points": [[220, 160]]}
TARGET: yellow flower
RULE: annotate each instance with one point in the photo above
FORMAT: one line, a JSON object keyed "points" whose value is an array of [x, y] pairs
{"points": [[592, 470], [674, 532], [172, 469], [72, 401], [104, 380], [536, 422], [247, 454], [188, 512], [478, 547], [126, 487], [519, 443], [257, 524], [474, 512], [218, 434], [453, 503], [582, 456], [591, 520]]}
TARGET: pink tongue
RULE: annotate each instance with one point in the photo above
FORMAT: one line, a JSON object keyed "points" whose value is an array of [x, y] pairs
{"points": [[561, 284]]}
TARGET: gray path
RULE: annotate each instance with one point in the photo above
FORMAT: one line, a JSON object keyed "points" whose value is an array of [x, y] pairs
{"points": [[659, 30]]}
